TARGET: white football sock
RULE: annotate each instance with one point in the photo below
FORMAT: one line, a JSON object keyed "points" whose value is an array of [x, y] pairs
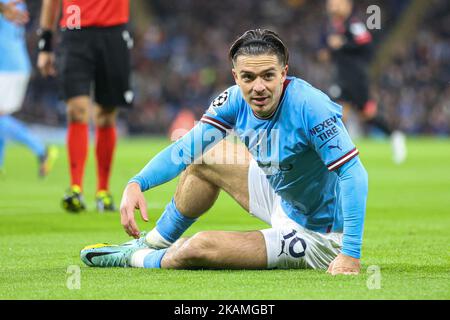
{"points": [[155, 240], [137, 259]]}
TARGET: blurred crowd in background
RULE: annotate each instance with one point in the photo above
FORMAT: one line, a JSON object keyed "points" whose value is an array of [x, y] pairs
{"points": [[180, 60], [415, 86]]}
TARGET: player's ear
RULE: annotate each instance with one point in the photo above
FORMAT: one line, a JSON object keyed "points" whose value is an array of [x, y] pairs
{"points": [[235, 76], [284, 73]]}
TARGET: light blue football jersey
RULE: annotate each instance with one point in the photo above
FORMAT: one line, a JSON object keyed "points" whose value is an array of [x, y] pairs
{"points": [[13, 50], [298, 148]]}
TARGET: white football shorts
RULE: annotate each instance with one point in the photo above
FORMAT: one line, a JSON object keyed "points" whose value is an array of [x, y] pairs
{"points": [[288, 244], [13, 87]]}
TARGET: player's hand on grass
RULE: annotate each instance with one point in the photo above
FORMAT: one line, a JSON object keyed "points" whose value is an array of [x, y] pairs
{"points": [[46, 64], [344, 264], [12, 13], [132, 199]]}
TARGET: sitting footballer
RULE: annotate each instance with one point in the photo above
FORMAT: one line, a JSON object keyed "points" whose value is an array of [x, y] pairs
{"points": [[296, 169]]}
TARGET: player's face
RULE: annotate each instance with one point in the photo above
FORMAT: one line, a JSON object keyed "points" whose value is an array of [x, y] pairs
{"points": [[261, 81]]}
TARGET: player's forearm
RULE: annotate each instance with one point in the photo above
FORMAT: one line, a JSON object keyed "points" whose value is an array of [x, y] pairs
{"points": [[159, 170], [170, 162], [354, 189], [49, 13]]}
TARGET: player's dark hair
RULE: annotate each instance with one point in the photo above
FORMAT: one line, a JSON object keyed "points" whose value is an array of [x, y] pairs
{"points": [[258, 42]]}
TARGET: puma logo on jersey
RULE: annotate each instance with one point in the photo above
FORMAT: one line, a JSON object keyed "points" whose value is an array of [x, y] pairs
{"points": [[337, 146]]}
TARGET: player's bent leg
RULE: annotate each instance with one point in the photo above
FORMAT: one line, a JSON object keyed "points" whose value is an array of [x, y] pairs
{"points": [[198, 189], [224, 167], [218, 250], [274, 248], [194, 194]]}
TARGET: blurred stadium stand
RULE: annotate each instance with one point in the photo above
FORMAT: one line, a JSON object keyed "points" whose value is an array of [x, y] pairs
{"points": [[180, 58]]}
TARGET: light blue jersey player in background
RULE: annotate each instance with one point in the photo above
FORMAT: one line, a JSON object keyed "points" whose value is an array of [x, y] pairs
{"points": [[301, 174], [15, 71]]}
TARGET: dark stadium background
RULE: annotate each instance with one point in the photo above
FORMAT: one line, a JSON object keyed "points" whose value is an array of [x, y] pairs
{"points": [[180, 59]]}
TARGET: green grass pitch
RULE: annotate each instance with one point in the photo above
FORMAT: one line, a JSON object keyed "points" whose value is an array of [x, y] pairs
{"points": [[407, 234]]}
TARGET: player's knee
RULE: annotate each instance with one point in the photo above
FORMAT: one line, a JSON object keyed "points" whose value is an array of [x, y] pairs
{"points": [[105, 117], [77, 112], [204, 171], [198, 170]]}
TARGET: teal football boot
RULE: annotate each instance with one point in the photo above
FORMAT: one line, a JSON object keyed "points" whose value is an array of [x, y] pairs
{"points": [[110, 255]]}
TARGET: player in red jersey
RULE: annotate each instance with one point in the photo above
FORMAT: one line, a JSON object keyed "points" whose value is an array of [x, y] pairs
{"points": [[93, 58]]}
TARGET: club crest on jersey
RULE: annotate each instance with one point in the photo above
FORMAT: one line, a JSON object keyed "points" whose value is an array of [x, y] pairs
{"points": [[219, 101]]}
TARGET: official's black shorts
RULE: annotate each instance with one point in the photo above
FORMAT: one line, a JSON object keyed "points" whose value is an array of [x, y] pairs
{"points": [[96, 59], [352, 90]]}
